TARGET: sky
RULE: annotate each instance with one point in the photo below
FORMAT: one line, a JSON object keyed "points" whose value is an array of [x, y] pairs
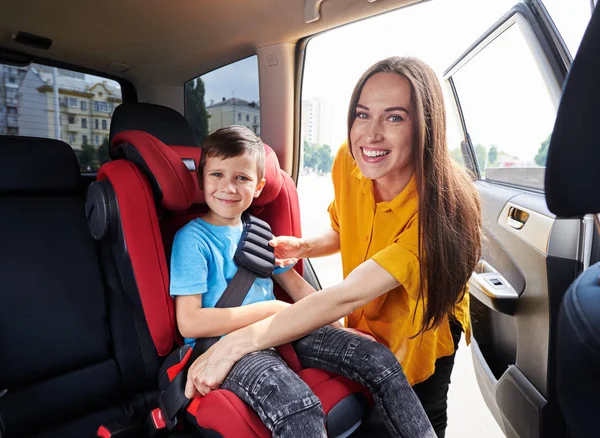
{"points": [[239, 79], [438, 32]]}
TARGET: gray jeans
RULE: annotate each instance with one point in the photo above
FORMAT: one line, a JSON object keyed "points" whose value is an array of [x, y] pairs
{"points": [[289, 408]]}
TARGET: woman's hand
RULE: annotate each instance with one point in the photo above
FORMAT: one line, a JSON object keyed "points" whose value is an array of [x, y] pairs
{"points": [[361, 333], [209, 370], [288, 249], [366, 335]]}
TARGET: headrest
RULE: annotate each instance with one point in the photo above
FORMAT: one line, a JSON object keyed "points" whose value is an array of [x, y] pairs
{"points": [[164, 123], [572, 168], [272, 173], [172, 185], [37, 165]]}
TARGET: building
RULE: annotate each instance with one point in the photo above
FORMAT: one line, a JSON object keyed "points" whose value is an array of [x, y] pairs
{"points": [[33, 109], [10, 78], [29, 101], [317, 122], [233, 111]]}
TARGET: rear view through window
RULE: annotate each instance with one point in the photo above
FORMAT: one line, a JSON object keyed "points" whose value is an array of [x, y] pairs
{"points": [[226, 96], [49, 102]]}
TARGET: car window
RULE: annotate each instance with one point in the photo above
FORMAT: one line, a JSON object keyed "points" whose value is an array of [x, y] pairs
{"points": [[571, 19], [43, 101], [508, 109], [334, 61], [226, 96]]}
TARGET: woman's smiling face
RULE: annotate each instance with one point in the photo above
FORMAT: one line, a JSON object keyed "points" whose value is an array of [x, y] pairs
{"points": [[382, 131]]}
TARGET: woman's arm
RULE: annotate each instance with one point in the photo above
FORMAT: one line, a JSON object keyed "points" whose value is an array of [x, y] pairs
{"points": [[326, 244], [194, 321], [298, 288], [365, 283]]}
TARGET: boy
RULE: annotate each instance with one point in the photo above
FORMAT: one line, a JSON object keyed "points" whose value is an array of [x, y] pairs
{"points": [[231, 175]]}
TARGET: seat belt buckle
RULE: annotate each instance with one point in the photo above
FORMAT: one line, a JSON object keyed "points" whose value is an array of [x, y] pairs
{"points": [[163, 416], [118, 429], [157, 420]]}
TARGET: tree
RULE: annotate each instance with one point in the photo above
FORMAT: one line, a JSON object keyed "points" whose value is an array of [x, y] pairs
{"points": [[481, 156], [492, 155], [195, 109], [318, 158], [310, 159], [86, 156], [457, 156], [324, 159], [102, 152], [542, 154]]}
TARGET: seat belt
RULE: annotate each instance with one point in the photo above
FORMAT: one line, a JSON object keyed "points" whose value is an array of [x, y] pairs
{"points": [[254, 258]]}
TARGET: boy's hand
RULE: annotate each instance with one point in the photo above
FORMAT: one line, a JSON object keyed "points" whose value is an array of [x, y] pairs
{"points": [[337, 324], [288, 249]]}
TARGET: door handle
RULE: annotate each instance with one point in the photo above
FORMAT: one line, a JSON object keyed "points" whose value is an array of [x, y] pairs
{"points": [[492, 289], [516, 218]]}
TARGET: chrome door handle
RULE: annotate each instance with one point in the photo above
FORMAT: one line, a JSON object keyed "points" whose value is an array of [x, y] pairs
{"points": [[516, 218], [514, 223], [491, 288]]}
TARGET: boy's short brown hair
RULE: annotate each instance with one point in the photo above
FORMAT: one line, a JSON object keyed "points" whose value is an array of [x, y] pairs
{"points": [[232, 141]]}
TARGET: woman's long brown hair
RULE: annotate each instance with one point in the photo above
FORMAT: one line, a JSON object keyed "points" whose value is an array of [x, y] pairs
{"points": [[449, 210]]}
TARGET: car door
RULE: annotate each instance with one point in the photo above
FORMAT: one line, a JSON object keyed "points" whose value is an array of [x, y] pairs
{"points": [[505, 89]]}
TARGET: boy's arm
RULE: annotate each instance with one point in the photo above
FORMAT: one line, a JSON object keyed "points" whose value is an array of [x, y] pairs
{"points": [[297, 287], [194, 321]]}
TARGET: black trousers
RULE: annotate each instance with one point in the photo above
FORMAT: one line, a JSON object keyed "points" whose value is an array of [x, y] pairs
{"points": [[433, 392]]}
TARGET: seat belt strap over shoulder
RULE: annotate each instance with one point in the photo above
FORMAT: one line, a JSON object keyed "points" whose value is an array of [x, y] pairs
{"points": [[254, 258]]}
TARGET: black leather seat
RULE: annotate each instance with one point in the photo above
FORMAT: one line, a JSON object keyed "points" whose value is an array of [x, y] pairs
{"points": [[70, 354], [573, 189]]}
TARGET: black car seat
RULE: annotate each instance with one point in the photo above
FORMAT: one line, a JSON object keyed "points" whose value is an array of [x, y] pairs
{"points": [[572, 189], [70, 352]]}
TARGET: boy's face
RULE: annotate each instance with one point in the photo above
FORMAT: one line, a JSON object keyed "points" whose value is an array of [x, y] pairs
{"points": [[230, 185]]}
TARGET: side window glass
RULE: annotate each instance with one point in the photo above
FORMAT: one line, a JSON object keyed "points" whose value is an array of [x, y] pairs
{"points": [[571, 19], [454, 134], [508, 108], [322, 131], [226, 96], [49, 102]]}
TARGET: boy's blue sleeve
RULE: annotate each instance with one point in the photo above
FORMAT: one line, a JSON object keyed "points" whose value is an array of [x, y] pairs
{"points": [[189, 268], [284, 269]]}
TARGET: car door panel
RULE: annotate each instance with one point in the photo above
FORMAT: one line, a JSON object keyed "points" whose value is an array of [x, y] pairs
{"points": [[529, 256], [512, 365]]}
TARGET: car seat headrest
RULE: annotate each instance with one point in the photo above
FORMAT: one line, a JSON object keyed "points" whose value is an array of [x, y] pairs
{"points": [[191, 156], [572, 175], [172, 184], [37, 165], [164, 123]]}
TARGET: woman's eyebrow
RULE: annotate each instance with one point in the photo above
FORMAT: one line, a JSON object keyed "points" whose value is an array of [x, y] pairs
{"points": [[393, 108], [396, 108]]}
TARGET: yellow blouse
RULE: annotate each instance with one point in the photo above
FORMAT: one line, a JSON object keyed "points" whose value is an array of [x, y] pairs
{"points": [[387, 233]]}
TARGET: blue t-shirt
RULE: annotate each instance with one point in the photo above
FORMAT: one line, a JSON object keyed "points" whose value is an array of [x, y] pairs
{"points": [[202, 263]]}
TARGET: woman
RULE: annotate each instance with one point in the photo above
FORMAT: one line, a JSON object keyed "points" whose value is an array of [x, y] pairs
{"points": [[407, 222]]}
